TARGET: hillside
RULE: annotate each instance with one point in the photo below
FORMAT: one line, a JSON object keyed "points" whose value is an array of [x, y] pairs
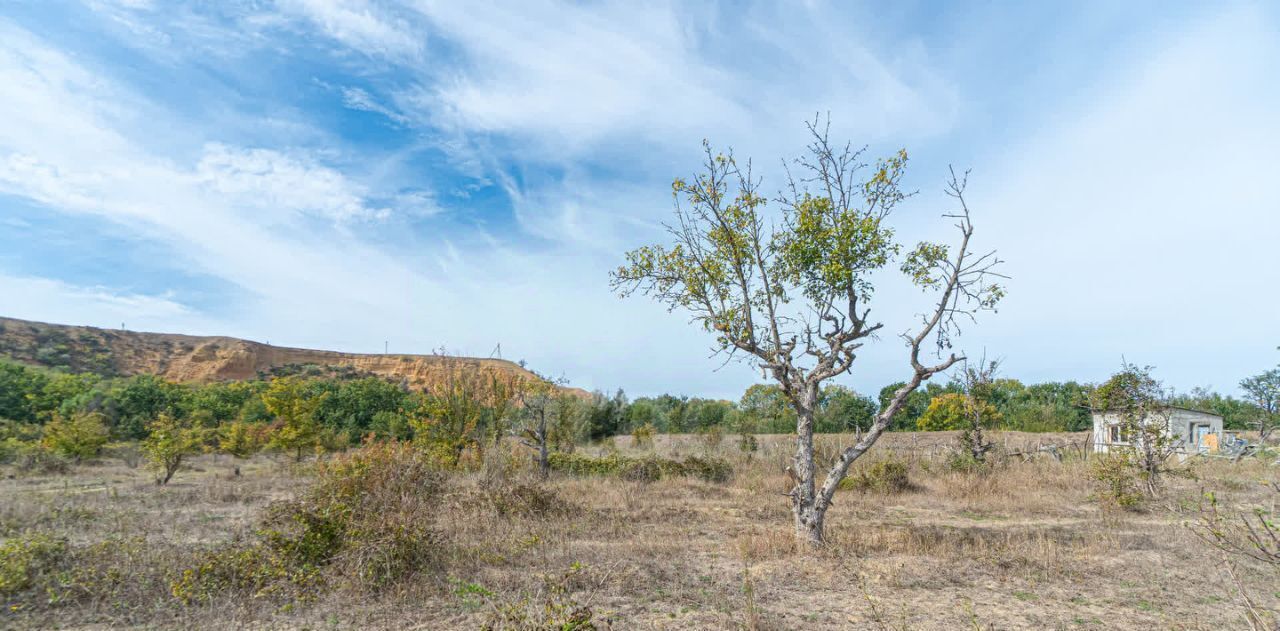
{"points": [[188, 358]]}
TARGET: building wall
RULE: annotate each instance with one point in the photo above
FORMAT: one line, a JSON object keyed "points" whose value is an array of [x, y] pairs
{"points": [[1179, 427]]}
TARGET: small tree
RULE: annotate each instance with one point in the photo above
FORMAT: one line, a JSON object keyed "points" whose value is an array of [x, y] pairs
{"points": [[571, 420], [1264, 391], [79, 436], [980, 388], [1135, 400], [948, 411], [168, 441], [500, 391], [455, 410], [794, 296], [294, 409], [393, 425], [712, 436], [536, 399], [642, 436], [241, 439]]}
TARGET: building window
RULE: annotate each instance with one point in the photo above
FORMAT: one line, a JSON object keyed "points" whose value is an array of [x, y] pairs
{"points": [[1116, 435]]}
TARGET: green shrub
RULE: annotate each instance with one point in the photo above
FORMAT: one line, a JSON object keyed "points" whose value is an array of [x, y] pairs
{"points": [[747, 443], [128, 452], [78, 437], [645, 469], [368, 520], [642, 470], [712, 437], [243, 439], [643, 435], [10, 449], [24, 559], [961, 461], [707, 468], [890, 475], [169, 441], [1117, 477], [31, 457], [24, 432]]}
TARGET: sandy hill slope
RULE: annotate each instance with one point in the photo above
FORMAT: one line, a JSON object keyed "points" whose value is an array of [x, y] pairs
{"points": [[188, 358]]}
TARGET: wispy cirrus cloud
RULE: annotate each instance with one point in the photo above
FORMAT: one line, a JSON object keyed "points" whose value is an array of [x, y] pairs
{"points": [[365, 26], [271, 181]]}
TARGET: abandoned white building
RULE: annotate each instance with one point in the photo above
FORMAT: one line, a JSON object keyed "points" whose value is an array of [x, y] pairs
{"points": [[1192, 431]]}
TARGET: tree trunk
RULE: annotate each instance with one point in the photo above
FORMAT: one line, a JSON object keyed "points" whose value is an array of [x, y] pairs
{"points": [[544, 461], [809, 526], [170, 468], [806, 509]]}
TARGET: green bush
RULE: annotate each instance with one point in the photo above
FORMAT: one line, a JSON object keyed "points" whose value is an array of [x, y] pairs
{"points": [[642, 436], [707, 468], [890, 475], [644, 469], [711, 437], [368, 520], [641, 470], [11, 449], [24, 559], [1117, 477], [32, 457], [80, 436], [962, 461]]}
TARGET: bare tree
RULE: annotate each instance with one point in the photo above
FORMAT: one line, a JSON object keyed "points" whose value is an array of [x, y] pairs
{"points": [[794, 297]]}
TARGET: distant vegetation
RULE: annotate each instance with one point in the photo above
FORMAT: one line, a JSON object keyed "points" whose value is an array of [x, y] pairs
{"points": [[305, 409]]}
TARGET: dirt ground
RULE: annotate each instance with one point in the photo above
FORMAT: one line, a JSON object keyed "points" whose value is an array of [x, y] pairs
{"points": [[1025, 546]]}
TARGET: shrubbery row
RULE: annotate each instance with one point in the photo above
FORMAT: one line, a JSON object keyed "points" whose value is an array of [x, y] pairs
{"points": [[643, 469]]}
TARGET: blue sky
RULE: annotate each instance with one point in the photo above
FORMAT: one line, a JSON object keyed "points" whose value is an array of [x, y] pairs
{"points": [[340, 173]]}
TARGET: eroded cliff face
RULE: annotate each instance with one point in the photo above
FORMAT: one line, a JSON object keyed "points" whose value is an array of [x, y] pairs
{"points": [[186, 358]]}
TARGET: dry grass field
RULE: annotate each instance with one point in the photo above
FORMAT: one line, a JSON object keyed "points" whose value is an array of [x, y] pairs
{"points": [[1024, 546]]}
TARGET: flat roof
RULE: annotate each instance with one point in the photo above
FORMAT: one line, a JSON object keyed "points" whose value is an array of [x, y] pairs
{"points": [[1171, 407]]}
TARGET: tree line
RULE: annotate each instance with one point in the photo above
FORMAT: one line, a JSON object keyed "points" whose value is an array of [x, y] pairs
{"points": [[353, 407]]}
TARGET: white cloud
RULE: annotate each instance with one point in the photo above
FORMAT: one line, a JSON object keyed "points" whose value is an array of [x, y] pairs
{"points": [[268, 180], [573, 78], [359, 99], [30, 298], [361, 25], [608, 97], [221, 216]]}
